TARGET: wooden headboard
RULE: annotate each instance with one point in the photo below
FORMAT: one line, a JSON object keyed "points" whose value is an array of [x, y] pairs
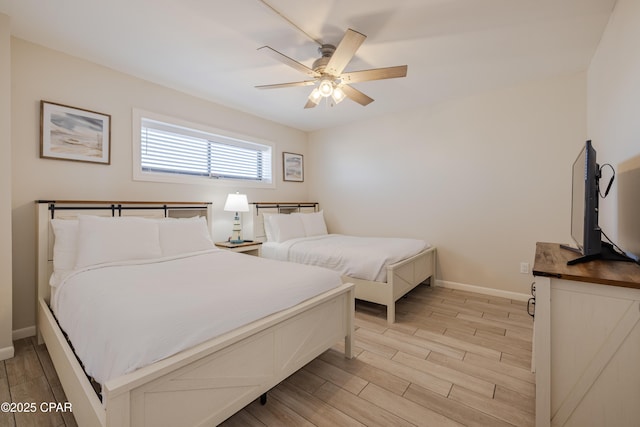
{"points": [[253, 226], [70, 209]]}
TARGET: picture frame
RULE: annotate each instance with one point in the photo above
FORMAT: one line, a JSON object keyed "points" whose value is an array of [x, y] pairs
{"points": [[69, 133], [292, 167]]}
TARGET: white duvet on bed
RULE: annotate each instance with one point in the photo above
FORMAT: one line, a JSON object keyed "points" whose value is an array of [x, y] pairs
{"points": [[360, 257], [123, 316]]}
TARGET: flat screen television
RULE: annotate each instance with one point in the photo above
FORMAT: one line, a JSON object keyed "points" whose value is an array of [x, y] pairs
{"points": [[585, 192], [584, 202]]}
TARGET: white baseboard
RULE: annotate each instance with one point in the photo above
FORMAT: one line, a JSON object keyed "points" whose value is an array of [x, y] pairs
{"points": [[6, 353], [482, 290], [29, 331]]}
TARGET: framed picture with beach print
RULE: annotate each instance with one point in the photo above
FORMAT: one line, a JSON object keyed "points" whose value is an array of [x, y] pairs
{"points": [[293, 167], [70, 133]]}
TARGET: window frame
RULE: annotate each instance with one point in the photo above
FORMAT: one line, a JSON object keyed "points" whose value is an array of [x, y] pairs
{"points": [[138, 115]]}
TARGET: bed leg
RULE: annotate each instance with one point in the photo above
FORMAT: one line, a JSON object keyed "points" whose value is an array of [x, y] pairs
{"points": [[348, 346], [350, 336], [263, 399], [391, 313]]}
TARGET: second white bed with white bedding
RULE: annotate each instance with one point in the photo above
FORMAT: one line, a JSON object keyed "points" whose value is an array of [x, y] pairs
{"points": [[383, 269]]}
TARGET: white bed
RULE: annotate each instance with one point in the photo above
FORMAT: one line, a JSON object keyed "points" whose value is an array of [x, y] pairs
{"points": [[219, 363], [383, 269]]}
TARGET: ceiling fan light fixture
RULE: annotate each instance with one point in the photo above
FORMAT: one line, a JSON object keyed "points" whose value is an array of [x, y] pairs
{"points": [[327, 72], [315, 96], [325, 88], [338, 95]]}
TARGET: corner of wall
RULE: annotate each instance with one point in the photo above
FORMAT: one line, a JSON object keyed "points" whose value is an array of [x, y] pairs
{"points": [[6, 353], [6, 283]]}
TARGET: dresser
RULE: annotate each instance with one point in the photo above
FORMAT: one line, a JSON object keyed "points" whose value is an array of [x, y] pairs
{"points": [[586, 344]]}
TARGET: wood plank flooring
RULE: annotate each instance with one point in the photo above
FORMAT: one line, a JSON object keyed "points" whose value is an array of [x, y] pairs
{"points": [[29, 377], [452, 358]]}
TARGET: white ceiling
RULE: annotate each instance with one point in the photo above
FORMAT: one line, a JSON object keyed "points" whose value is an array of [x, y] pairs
{"points": [[208, 48]]}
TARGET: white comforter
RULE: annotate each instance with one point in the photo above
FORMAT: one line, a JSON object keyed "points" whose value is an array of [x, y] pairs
{"points": [[359, 257], [123, 316]]}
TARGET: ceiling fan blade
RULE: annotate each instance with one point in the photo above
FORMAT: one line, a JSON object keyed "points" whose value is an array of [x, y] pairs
{"points": [[288, 61], [356, 95], [374, 74], [292, 84], [310, 104], [344, 52]]}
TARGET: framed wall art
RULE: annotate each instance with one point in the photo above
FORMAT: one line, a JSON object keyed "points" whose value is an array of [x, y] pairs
{"points": [[293, 167], [70, 133]]}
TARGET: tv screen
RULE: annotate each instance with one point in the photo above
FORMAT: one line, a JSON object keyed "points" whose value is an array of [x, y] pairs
{"points": [[584, 202]]}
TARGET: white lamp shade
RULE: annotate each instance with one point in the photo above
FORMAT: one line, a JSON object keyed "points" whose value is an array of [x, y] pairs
{"points": [[315, 96], [325, 87], [236, 203], [338, 95]]}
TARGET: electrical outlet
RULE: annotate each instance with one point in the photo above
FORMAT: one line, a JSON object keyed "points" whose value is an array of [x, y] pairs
{"points": [[524, 267]]}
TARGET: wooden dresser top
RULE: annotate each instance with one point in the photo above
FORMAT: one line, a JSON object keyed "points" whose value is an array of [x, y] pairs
{"points": [[551, 261]]}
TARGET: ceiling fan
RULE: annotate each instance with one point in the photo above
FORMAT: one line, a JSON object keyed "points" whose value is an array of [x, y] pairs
{"points": [[327, 72]]}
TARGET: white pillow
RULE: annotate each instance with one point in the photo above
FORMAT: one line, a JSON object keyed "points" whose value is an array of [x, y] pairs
{"points": [[65, 232], [184, 235], [285, 227], [268, 229], [313, 223], [107, 239]]}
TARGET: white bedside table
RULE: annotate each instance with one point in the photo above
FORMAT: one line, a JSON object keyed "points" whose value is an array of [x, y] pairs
{"points": [[250, 248]]}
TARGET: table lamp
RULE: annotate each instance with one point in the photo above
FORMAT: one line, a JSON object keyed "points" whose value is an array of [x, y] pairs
{"points": [[236, 203]]}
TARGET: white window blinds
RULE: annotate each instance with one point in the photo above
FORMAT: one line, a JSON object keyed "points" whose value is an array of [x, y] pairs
{"points": [[172, 149]]}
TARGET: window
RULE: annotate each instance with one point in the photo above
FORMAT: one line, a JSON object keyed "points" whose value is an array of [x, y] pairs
{"points": [[170, 150]]}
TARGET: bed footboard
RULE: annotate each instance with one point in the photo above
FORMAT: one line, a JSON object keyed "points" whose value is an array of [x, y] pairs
{"points": [[208, 383], [402, 277]]}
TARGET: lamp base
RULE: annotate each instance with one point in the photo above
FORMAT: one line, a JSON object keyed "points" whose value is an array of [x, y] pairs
{"points": [[237, 228]]}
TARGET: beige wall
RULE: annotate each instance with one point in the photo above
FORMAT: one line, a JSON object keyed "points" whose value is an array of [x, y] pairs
{"points": [[6, 345], [43, 74], [482, 178], [614, 120]]}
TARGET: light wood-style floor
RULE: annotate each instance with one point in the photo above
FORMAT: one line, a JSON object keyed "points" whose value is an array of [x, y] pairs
{"points": [[452, 358], [29, 377]]}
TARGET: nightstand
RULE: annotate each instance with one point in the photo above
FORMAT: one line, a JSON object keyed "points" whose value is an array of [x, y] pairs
{"points": [[250, 248]]}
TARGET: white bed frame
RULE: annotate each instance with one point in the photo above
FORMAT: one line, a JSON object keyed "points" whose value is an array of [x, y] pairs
{"points": [[402, 276], [201, 386]]}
